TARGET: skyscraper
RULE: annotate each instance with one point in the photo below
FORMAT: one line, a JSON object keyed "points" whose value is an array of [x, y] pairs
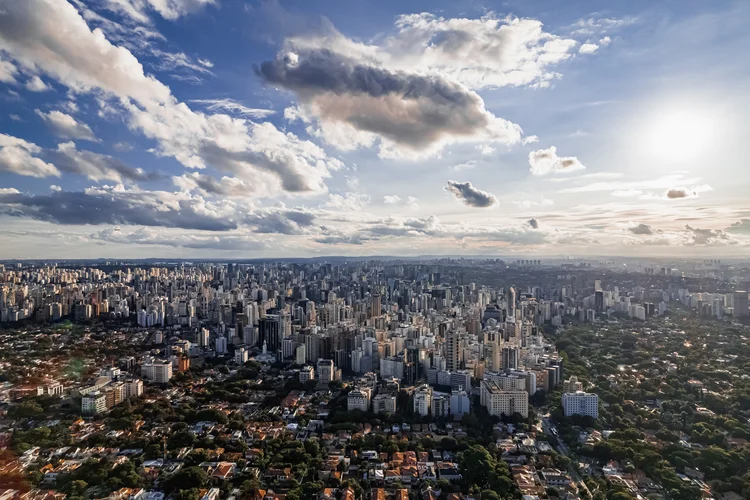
{"points": [[452, 350], [510, 358], [741, 304], [269, 331]]}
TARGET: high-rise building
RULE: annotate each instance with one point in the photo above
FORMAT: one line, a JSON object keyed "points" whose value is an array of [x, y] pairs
{"points": [[500, 402], [741, 304], [93, 404], [572, 385], [158, 371], [460, 403], [510, 358], [358, 399], [300, 354], [423, 400], [452, 350], [580, 403], [384, 404], [269, 331]]}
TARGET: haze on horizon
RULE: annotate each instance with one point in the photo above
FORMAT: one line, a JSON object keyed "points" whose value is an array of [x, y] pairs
{"points": [[280, 128]]}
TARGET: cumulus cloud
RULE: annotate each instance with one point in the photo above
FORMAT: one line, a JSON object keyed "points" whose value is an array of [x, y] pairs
{"points": [[546, 161], [641, 229], [282, 221], [67, 127], [350, 202], [232, 106], [207, 185], [35, 84], [95, 166], [488, 52], [21, 157], [85, 60], [533, 223], [467, 194], [588, 48], [410, 201], [413, 115], [8, 71], [681, 192], [697, 236], [116, 205]]}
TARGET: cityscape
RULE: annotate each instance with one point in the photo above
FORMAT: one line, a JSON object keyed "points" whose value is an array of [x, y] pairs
{"points": [[374, 250], [455, 378]]}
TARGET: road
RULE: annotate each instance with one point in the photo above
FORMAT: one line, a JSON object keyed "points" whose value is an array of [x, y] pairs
{"points": [[550, 429]]}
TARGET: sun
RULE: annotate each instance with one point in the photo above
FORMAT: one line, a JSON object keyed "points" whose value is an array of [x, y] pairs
{"points": [[679, 134]]}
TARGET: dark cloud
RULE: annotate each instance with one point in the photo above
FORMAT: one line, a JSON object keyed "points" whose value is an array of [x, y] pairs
{"points": [[641, 229], [533, 223], [469, 195], [342, 240], [410, 110], [226, 186], [697, 236], [677, 193], [118, 207], [96, 166], [296, 221], [293, 171]]}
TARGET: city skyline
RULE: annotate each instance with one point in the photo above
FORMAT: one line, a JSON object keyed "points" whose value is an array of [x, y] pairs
{"points": [[219, 129]]}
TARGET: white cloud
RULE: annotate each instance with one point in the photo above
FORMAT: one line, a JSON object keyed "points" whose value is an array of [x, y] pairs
{"points": [[67, 127], [600, 25], [209, 186], [412, 106], [465, 165], [18, 156], [395, 199], [35, 84], [85, 60], [55, 187], [8, 71], [546, 161], [95, 166], [350, 202], [233, 106], [529, 139], [486, 149], [588, 48], [174, 61], [480, 53], [168, 9]]}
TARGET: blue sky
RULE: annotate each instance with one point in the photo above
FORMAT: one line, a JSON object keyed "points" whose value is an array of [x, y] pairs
{"points": [[181, 128]]}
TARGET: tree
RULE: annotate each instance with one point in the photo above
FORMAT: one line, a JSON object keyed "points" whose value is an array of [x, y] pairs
{"points": [[187, 478], [25, 409]]}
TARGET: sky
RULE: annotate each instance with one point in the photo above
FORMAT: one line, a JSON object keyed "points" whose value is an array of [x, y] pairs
{"points": [[281, 128]]}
